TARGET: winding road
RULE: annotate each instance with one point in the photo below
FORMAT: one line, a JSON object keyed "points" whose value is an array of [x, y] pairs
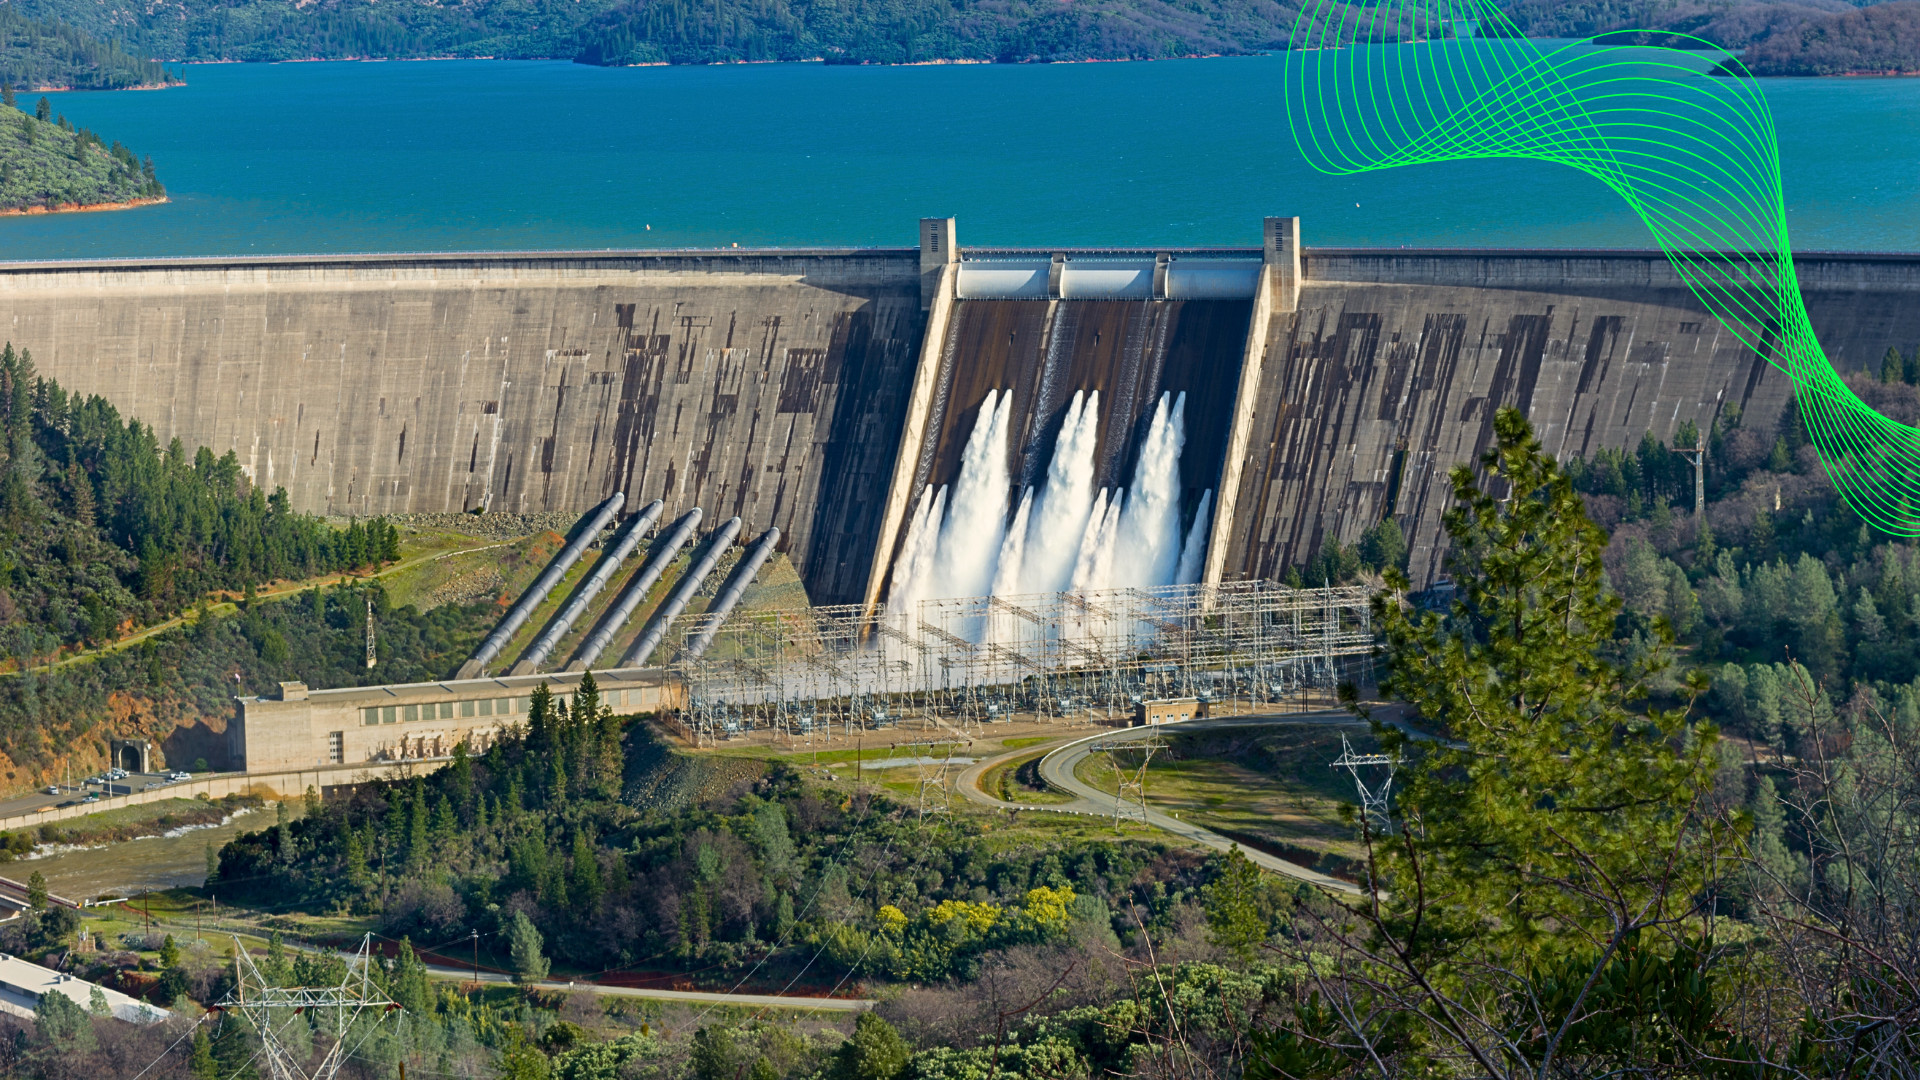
{"points": [[736, 1000], [1057, 769]]}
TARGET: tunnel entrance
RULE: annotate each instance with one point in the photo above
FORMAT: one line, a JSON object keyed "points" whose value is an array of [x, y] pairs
{"points": [[133, 755]]}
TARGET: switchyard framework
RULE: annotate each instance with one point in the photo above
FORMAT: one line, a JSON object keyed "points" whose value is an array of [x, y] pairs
{"points": [[961, 663]]}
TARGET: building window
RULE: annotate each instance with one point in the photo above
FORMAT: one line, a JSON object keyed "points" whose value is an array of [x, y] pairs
{"points": [[413, 713], [371, 716], [446, 710], [388, 714], [466, 708], [336, 747]]}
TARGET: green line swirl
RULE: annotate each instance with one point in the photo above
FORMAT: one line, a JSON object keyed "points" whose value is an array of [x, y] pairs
{"points": [[1678, 129]]}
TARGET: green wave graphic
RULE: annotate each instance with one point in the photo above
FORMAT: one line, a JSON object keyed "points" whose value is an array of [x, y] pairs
{"points": [[1677, 128]]}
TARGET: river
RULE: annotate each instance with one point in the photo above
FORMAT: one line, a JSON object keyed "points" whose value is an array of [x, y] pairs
{"points": [[130, 866], [464, 155]]}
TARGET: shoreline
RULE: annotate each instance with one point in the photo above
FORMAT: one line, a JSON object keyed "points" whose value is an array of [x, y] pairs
{"points": [[83, 208], [95, 89], [825, 61]]}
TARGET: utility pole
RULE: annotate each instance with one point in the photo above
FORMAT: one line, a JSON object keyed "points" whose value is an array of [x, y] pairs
{"points": [[1697, 455], [476, 958], [370, 656]]}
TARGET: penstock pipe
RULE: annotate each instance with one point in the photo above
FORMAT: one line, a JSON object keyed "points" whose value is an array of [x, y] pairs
{"points": [[623, 544], [596, 520], [658, 559], [730, 593], [683, 592]]}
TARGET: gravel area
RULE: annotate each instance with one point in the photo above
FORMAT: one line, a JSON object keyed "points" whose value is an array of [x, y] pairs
{"points": [[490, 526]]}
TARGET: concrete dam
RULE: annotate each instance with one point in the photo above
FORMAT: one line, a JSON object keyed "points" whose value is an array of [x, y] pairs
{"points": [[1233, 408]]}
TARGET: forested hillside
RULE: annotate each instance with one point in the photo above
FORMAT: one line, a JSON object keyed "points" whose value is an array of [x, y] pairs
{"points": [[1800, 36], [102, 530], [1774, 37], [657, 31], [46, 164], [36, 55], [1875, 40]]}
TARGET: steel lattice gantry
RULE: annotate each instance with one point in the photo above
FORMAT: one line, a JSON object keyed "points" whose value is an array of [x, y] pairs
{"points": [[978, 659]]}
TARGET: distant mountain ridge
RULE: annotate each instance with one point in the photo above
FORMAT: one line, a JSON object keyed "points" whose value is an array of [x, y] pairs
{"points": [[1780, 37], [676, 31], [1774, 37], [40, 54]]}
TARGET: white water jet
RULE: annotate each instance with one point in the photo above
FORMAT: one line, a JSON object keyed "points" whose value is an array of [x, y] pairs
{"points": [[1013, 550], [1147, 552], [1093, 567], [913, 571], [1066, 504], [976, 518], [1193, 555]]}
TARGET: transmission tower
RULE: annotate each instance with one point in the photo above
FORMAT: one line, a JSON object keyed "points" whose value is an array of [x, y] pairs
{"points": [[271, 1008], [1130, 797], [1373, 801], [932, 795], [370, 656]]}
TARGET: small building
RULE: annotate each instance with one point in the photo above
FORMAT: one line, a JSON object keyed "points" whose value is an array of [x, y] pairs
{"points": [[298, 728], [133, 755], [23, 983], [1168, 711]]}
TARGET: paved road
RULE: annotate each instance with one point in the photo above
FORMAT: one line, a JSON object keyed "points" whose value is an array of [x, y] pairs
{"points": [[1057, 767], [71, 794], [698, 996]]}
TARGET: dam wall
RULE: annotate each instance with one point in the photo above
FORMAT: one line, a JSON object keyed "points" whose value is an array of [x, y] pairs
{"points": [[798, 389], [1391, 369], [768, 385]]}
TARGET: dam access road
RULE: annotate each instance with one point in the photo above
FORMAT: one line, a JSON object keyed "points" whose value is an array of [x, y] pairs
{"points": [[1058, 765], [819, 391]]}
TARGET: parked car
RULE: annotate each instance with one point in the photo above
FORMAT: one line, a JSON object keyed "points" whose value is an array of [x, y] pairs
{"points": [[53, 789], [180, 776]]}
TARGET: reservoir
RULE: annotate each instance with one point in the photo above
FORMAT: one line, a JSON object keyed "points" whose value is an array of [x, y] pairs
{"points": [[519, 155]]}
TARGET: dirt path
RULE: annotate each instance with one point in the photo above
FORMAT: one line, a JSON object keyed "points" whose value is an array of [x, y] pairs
{"points": [[283, 589]]}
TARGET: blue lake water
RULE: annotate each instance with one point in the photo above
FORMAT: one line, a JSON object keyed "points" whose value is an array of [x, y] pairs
{"points": [[467, 155]]}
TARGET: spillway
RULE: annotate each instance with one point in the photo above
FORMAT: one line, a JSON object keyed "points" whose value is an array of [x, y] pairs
{"points": [[1071, 443]]}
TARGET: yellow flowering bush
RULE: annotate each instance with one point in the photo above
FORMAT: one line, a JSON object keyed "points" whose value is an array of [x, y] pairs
{"points": [[1049, 908], [979, 918]]}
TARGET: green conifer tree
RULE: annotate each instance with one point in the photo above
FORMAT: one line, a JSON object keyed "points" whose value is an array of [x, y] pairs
{"points": [[1232, 902], [523, 946], [585, 888], [1557, 816], [201, 1063]]}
